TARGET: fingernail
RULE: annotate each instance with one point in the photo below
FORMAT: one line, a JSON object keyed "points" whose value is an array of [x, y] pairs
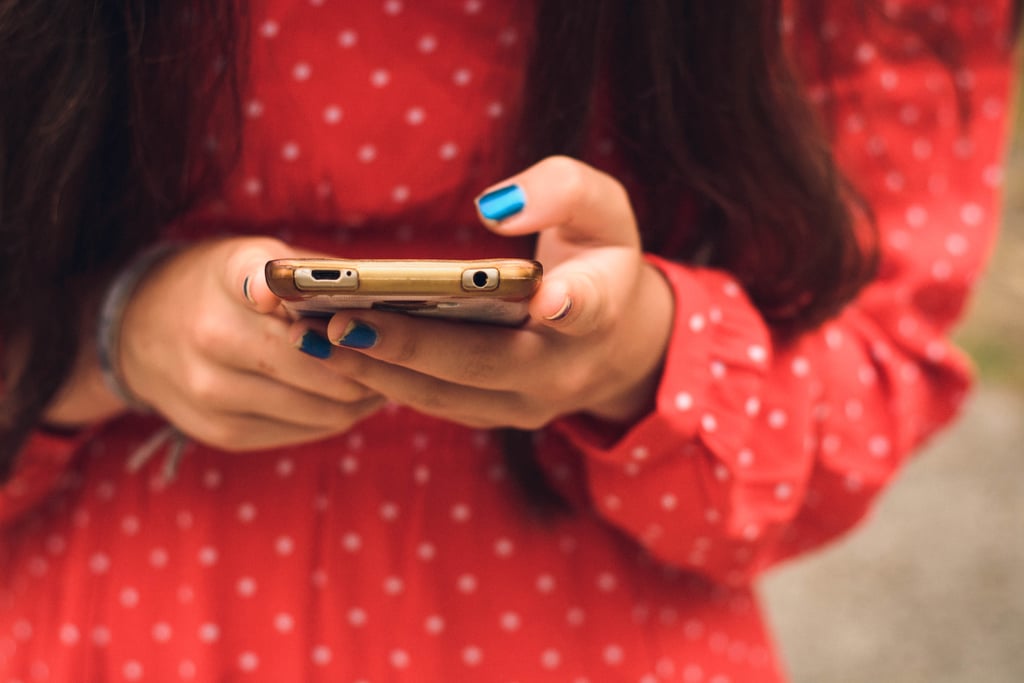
{"points": [[246, 292], [502, 203], [315, 345], [358, 335], [561, 312]]}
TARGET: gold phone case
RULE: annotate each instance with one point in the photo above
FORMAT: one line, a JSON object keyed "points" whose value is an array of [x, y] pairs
{"points": [[490, 290]]}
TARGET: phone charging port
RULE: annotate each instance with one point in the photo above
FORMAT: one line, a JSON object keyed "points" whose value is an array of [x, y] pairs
{"points": [[328, 275]]}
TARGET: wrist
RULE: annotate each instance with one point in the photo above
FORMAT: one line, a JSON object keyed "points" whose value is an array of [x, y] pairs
{"points": [[111, 318], [646, 331]]}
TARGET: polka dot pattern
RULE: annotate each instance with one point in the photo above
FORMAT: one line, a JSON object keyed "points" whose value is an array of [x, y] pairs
{"points": [[402, 551]]}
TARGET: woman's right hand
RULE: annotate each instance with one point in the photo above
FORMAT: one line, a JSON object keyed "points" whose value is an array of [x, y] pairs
{"points": [[211, 353]]}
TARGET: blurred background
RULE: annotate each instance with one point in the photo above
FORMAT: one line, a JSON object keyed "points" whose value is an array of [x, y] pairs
{"points": [[931, 588]]}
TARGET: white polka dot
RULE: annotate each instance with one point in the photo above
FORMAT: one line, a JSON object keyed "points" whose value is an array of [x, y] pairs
{"points": [[495, 110], [389, 511], [426, 551], [757, 353], [472, 655], [393, 7], [612, 655], [865, 53], [254, 109], [399, 659], [684, 401], [333, 114], [207, 556], [290, 151], [777, 419], [348, 38], [462, 77], [466, 584], [132, 670], [284, 545], [669, 501], [162, 632], [916, 216], [379, 78], [252, 187], [367, 153], [879, 446], [129, 597], [246, 512], [697, 322], [448, 151], [709, 422], [434, 624], [503, 547], [745, 458], [550, 659], [545, 583], [972, 215], [393, 585], [461, 512], [510, 621], [101, 636], [69, 634], [351, 542], [427, 43], [400, 194], [248, 661], [321, 655], [284, 622], [246, 586], [269, 28], [209, 632], [717, 369], [357, 616], [302, 71]]}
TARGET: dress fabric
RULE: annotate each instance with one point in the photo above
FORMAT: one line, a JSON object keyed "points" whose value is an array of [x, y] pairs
{"points": [[402, 550]]}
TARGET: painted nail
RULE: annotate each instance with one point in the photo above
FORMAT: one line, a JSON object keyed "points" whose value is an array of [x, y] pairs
{"points": [[314, 344], [358, 335], [562, 312], [502, 203], [246, 292]]}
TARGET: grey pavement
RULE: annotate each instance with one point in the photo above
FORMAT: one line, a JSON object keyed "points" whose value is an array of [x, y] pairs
{"points": [[931, 588]]}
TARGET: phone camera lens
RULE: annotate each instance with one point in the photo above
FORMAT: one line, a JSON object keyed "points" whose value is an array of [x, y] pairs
{"points": [[480, 278]]}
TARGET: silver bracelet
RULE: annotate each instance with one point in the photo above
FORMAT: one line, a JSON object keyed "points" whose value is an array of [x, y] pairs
{"points": [[108, 328]]}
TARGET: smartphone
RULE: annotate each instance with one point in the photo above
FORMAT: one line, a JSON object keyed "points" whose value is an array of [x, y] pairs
{"points": [[495, 291]]}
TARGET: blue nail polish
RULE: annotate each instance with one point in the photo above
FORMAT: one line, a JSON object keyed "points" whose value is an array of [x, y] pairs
{"points": [[502, 203], [358, 335], [315, 345]]}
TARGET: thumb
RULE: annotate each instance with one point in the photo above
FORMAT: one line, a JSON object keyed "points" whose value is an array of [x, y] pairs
{"points": [[245, 275], [571, 303]]}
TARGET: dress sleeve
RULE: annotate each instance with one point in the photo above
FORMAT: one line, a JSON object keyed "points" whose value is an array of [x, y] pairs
{"points": [[757, 451]]}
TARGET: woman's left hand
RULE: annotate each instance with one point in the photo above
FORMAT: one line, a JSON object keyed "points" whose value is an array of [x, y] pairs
{"points": [[600, 321]]}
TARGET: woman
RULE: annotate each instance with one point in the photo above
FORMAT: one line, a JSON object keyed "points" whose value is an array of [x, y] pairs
{"points": [[716, 375]]}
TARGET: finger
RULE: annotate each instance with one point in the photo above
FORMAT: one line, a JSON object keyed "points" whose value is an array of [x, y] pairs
{"points": [[584, 204], [466, 405], [244, 276], [572, 303], [482, 356], [244, 432]]}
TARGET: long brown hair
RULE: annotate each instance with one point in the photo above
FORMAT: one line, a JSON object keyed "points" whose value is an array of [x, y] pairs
{"points": [[105, 104], [103, 108]]}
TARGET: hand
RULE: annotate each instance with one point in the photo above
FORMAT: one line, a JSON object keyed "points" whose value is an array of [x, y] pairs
{"points": [[205, 343], [600, 321]]}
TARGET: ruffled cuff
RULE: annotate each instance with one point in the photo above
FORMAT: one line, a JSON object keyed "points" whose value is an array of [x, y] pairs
{"points": [[716, 333]]}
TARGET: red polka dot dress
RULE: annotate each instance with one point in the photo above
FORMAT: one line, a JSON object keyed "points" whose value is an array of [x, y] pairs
{"points": [[402, 550]]}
